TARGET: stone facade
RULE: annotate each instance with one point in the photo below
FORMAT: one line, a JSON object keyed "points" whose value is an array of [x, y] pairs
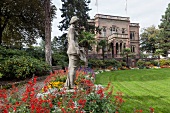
{"points": [[119, 33]]}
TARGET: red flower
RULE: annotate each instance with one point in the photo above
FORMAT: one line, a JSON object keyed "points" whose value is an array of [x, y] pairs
{"points": [[59, 103], [151, 110], [101, 93], [63, 110], [82, 102]]}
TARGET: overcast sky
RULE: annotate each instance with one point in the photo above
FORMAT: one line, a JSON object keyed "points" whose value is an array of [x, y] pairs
{"points": [[144, 12]]}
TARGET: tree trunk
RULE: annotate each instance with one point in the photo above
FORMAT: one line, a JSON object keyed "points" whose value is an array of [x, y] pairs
{"points": [[86, 63], [127, 61], [47, 32], [103, 53], [0, 37]]}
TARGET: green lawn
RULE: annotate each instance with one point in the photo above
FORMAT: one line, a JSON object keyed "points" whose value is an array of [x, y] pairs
{"points": [[141, 89]]}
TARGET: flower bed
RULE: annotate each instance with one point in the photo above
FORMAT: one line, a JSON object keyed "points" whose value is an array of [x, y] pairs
{"points": [[85, 97]]}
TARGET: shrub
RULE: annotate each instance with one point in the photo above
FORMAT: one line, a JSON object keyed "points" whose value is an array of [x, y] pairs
{"points": [[22, 67], [113, 63], [107, 63], [8, 53], [154, 62], [36, 52], [147, 63], [164, 62], [95, 63], [1, 75], [123, 63], [141, 64]]}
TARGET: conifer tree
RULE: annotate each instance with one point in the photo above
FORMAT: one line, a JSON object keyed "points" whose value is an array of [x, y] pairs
{"points": [[164, 41], [72, 8]]}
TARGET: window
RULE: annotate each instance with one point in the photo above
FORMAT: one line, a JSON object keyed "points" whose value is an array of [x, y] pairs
{"points": [[123, 30], [104, 31], [132, 48], [132, 35], [113, 29], [124, 45]]}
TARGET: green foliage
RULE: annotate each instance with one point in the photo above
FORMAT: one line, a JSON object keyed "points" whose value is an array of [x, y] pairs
{"points": [[147, 63], [22, 21], [98, 105], [96, 63], [59, 59], [154, 62], [149, 39], [69, 9], [86, 39], [22, 67], [164, 39], [102, 44], [114, 63], [164, 62], [36, 52], [123, 64], [8, 53], [107, 63], [140, 64], [72, 8], [1, 75], [126, 53]]}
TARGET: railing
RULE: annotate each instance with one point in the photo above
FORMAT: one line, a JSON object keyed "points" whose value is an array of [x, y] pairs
{"points": [[116, 35]]}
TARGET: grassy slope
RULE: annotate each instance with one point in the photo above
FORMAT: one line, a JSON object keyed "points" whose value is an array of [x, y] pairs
{"points": [[141, 88]]}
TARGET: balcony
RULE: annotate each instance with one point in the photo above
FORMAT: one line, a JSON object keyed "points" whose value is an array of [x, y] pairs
{"points": [[116, 35]]}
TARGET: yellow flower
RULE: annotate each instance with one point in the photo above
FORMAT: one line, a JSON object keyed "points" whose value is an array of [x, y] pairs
{"points": [[57, 84]]}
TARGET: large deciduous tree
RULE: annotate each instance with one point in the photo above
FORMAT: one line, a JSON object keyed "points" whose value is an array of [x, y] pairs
{"points": [[149, 39], [165, 31], [23, 18], [22, 21]]}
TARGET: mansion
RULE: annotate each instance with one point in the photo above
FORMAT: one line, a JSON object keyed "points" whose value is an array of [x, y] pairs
{"points": [[119, 33]]}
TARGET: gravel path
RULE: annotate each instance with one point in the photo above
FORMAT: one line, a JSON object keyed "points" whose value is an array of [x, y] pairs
{"points": [[21, 85]]}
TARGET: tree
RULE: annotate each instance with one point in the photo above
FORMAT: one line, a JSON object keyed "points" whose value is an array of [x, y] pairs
{"points": [[165, 31], [80, 9], [87, 40], [22, 21], [72, 8], [149, 39], [48, 58], [126, 52], [102, 44], [59, 55], [158, 52]]}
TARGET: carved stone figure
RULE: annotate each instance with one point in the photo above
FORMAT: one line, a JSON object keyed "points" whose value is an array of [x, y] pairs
{"points": [[75, 53]]}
